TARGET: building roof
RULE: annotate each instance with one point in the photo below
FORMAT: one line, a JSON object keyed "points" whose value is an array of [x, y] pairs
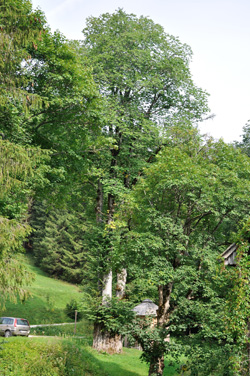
{"points": [[229, 255], [146, 308]]}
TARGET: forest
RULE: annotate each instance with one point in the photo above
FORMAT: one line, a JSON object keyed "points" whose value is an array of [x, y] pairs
{"points": [[107, 183]]}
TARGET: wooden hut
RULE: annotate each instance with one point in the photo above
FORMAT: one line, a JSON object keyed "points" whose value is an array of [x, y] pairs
{"points": [[146, 308], [229, 255]]}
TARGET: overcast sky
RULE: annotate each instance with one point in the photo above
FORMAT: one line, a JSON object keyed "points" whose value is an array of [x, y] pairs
{"points": [[218, 32]]}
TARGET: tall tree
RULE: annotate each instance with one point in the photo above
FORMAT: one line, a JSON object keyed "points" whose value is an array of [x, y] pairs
{"points": [[20, 27], [183, 212], [19, 173], [48, 100], [144, 76]]}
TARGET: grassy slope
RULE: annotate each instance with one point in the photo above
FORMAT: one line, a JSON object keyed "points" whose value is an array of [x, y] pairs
{"points": [[59, 357], [48, 299]]}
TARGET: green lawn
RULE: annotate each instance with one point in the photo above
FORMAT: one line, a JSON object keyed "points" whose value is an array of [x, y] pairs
{"points": [[48, 299], [127, 364]]}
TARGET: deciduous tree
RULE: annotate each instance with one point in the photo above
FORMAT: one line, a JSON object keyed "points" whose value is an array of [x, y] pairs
{"points": [[143, 74], [181, 214]]}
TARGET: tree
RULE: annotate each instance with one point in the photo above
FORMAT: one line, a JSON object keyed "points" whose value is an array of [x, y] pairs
{"points": [[21, 167], [59, 242], [20, 28], [181, 215], [20, 171], [244, 144], [48, 101], [143, 75], [236, 312]]}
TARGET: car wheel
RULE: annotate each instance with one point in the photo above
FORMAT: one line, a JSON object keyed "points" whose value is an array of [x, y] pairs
{"points": [[7, 333]]}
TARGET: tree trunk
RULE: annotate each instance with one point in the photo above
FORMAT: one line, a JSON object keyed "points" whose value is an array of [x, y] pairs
{"points": [[99, 203], [107, 278], [156, 369], [164, 303], [121, 284], [99, 220], [157, 365], [106, 341], [107, 287]]}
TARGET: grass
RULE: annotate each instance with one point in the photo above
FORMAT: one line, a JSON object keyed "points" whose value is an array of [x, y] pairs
{"points": [[48, 298], [61, 357], [128, 363]]}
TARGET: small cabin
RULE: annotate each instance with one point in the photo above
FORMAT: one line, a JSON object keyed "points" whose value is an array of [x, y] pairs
{"points": [[229, 255], [146, 308]]}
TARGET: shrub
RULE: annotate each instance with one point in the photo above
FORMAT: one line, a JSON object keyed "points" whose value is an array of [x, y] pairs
{"points": [[70, 309]]}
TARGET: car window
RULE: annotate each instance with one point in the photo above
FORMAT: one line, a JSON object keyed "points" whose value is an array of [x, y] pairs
{"points": [[6, 321], [22, 322]]}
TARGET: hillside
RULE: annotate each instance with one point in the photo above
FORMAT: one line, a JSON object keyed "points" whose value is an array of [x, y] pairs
{"points": [[47, 301]]}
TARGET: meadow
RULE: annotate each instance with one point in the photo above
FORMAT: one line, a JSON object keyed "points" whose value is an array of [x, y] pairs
{"points": [[47, 301]]}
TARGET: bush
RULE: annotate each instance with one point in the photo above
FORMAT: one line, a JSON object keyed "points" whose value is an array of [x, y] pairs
{"points": [[21, 356], [70, 309]]}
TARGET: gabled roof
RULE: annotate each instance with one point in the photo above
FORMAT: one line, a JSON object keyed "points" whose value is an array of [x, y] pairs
{"points": [[229, 254], [146, 308]]}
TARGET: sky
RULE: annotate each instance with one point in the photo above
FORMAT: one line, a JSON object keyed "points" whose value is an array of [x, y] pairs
{"points": [[218, 32]]}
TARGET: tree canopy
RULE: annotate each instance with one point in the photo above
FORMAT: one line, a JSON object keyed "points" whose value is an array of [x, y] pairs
{"points": [[182, 214]]}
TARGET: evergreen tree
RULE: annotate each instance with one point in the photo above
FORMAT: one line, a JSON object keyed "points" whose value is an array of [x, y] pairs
{"points": [[48, 101], [59, 241]]}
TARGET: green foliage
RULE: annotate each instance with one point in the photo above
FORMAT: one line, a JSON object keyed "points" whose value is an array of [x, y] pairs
{"points": [[48, 101], [112, 316], [141, 70], [20, 28], [236, 311], [71, 308], [183, 208], [32, 358], [20, 172], [69, 123], [59, 240], [144, 78], [83, 329], [244, 145]]}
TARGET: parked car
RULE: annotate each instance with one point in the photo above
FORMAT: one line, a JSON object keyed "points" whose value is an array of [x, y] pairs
{"points": [[14, 326]]}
